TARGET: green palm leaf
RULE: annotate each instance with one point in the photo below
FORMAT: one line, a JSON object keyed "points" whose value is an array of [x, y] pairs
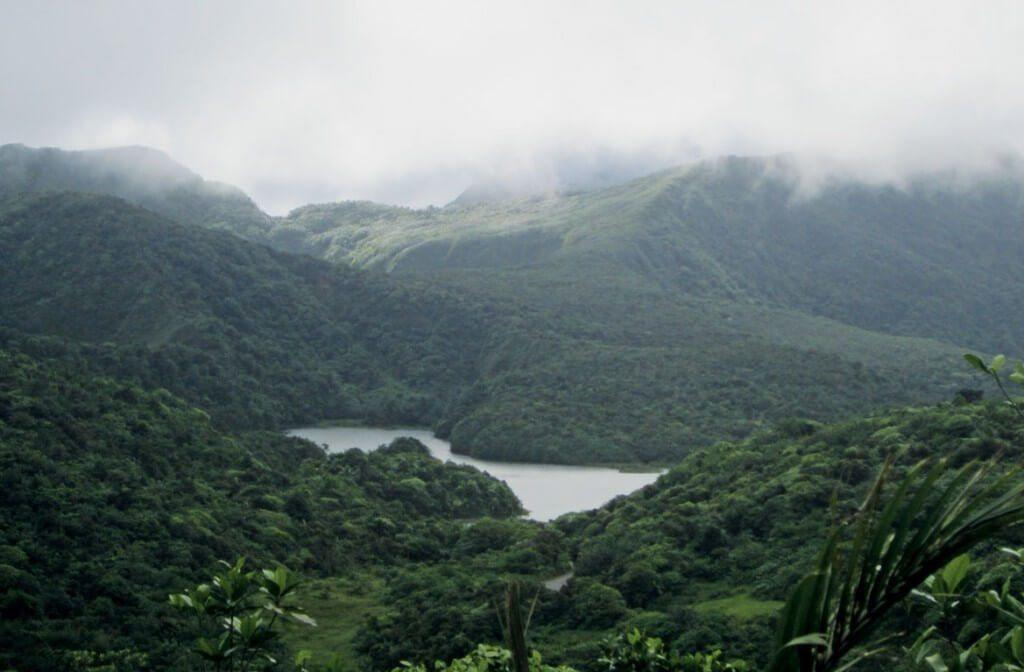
{"points": [[932, 516]]}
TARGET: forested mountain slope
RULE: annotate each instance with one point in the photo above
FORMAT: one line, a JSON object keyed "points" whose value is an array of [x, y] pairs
{"points": [[114, 495], [639, 336], [938, 257], [703, 557], [722, 261], [257, 338], [141, 175], [740, 512], [630, 323], [263, 339]]}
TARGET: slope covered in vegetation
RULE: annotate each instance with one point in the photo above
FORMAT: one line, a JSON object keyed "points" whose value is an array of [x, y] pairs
{"points": [[772, 490], [579, 360], [258, 339], [704, 557], [118, 491], [144, 176], [114, 496], [897, 260], [712, 288]]}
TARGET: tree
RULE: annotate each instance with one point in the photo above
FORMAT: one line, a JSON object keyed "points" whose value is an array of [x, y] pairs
{"points": [[1001, 647], [992, 370], [236, 614], [934, 515], [635, 652], [598, 605]]}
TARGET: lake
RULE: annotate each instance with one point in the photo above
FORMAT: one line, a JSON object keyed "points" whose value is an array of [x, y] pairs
{"points": [[546, 490]]}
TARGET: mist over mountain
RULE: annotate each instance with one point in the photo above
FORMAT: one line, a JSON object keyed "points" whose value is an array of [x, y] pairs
{"points": [[530, 336], [141, 175], [700, 302], [572, 168], [737, 229]]}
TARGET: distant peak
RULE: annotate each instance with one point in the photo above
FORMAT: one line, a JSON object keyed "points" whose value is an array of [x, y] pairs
{"points": [[134, 163]]}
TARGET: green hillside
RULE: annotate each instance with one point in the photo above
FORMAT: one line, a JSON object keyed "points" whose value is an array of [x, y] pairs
{"points": [[139, 356], [630, 323], [114, 495], [915, 261], [141, 175], [257, 338], [264, 339], [721, 278], [704, 557]]}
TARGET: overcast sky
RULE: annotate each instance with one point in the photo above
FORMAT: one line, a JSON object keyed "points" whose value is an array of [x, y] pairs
{"points": [[411, 102]]}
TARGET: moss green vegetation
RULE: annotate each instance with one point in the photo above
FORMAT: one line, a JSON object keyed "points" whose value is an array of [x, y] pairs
{"points": [[685, 317], [741, 606], [622, 325], [340, 607], [114, 496], [702, 559], [711, 287], [716, 514], [256, 338]]}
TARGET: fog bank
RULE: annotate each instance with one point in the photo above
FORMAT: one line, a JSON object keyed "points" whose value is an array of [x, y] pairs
{"points": [[408, 103]]}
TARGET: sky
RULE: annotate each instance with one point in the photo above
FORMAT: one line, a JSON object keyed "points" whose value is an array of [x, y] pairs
{"points": [[412, 102]]}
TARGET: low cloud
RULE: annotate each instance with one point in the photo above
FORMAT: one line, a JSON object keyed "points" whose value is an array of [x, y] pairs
{"points": [[410, 103]]}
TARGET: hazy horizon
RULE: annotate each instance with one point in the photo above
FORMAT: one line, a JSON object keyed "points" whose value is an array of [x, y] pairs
{"points": [[410, 105]]}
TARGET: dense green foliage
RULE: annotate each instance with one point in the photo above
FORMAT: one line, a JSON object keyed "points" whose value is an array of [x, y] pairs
{"points": [[909, 537], [896, 542], [256, 338], [236, 614], [693, 302], [702, 559], [741, 512], [484, 658], [974, 616], [139, 356], [441, 611], [113, 496], [704, 555], [631, 323]]}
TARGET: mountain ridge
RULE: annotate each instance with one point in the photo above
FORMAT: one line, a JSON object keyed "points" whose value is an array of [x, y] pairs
{"points": [[629, 323], [142, 175]]}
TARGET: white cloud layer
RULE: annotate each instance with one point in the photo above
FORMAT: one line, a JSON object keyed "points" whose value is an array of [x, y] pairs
{"points": [[411, 102]]}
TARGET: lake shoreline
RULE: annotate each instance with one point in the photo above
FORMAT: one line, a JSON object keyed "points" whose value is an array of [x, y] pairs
{"points": [[546, 491], [355, 423]]}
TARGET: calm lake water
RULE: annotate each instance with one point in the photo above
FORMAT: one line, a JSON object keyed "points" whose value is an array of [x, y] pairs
{"points": [[546, 490]]}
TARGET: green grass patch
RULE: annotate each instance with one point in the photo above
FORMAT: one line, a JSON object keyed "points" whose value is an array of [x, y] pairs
{"points": [[339, 606], [741, 606]]}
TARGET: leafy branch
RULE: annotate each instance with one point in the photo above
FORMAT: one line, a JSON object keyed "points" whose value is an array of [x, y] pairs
{"points": [[992, 370], [934, 515], [236, 613]]}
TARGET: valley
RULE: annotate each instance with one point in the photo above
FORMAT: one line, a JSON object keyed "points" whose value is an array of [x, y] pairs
{"points": [[392, 336], [546, 491], [171, 357], [656, 316]]}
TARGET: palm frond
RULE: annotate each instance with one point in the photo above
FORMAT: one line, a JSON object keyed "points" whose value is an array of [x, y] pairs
{"points": [[933, 515]]}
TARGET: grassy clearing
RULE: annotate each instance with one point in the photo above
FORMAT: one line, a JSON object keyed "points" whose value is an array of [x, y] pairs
{"points": [[339, 605], [740, 605]]}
